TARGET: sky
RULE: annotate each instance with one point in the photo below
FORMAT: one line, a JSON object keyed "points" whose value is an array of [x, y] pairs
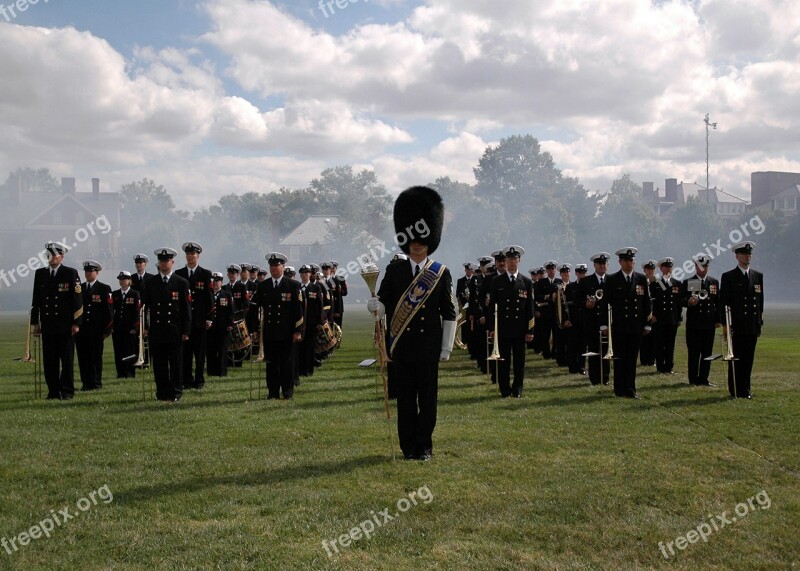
{"points": [[213, 97]]}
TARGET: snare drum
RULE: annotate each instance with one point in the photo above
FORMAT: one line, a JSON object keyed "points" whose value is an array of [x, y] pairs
{"points": [[239, 337]]}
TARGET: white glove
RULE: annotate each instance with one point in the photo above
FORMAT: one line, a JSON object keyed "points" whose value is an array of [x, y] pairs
{"points": [[448, 337], [375, 307], [444, 355]]}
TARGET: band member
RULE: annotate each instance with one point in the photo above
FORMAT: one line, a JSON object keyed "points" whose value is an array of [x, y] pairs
{"points": [[97, 324], [221, 326], [261, 275], [576, 340], [545, 295], [341, 285], [484, 295], [742, 290], [647, 352], [283, 326], [667, 316], [167, 299], [250, 282], [391, 373], [565, 327], [512, 293], [126, 303], [626, 293], [700, 295], [592, 292], [462, 298], [475, 312], [237, 290], [417, 299], [202, 300], [56, 315], [313, 298], [333, 289], [141, 275], [289, 272]]}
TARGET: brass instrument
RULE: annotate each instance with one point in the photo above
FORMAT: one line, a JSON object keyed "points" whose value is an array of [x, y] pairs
{"points": [[729, 337], [698, 294], [462, 318], [495, 356], [562, 309], [29, 357], [261, 358], [610, 353], [140, 359]]}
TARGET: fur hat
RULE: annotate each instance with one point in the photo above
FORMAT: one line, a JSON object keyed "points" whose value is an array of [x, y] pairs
{"points": [[418, 216]]}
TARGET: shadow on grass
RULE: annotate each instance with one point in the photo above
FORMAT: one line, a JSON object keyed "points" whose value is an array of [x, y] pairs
{"points": [[706, 400], [279, 475]]}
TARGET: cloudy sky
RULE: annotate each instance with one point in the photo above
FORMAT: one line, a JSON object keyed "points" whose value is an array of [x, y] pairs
{"points": [[212, 97]]}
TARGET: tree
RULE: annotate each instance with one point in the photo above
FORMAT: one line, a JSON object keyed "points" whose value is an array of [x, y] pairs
{"points": [[146, 212], [36, 180], [625, 219]]}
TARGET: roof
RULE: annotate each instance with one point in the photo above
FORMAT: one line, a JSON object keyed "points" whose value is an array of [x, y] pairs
{"points": [[788, 193], [33, 205], [314, 230]]}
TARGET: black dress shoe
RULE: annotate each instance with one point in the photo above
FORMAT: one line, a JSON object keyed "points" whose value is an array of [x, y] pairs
{"points": [[410, 457], [425, 456], [706, 385], [635, 396]]}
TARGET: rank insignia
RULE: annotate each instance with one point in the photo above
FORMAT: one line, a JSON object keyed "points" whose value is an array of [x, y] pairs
{"points": [[523, 293], [676, 289], [174, 295], [639, 290], [712, 289], [223, 301], [758, 288]]}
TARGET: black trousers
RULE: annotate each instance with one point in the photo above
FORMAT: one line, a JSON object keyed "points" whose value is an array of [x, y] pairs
{"points": [[125, 345], [744, 350], [549, 329], [58, 353], [511, 345], [217, 352], [305, 352], [626, 352], [194, 352], [665, 346], [699, 344], [280, 379], [167, 362], [599, 368], [575, 347], [417, 395], [480, 346], [647, 350], [90, 359]]}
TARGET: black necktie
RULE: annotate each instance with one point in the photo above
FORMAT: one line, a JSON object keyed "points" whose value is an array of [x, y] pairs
{"points": [[52, 273], [275, 283], [416, 271], [166, 280], [629, 280], [601, 281], [511, 278], [191, 272]]}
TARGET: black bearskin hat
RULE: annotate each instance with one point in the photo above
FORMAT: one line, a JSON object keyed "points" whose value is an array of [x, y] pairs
{"points": [[418, 216]]}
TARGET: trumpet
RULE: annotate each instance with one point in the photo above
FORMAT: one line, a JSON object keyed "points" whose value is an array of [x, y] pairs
{"points": [[495, 356], [610, 353], [698, 294]]}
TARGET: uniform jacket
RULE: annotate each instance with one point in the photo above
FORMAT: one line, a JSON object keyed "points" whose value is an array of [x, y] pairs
{"points": [[667, 301], [575, 304], [542, 290], [283, 308], [223, 311], [705, 314], [313, 301], [126, 312], [588, 287], [169, 306], [341, 290], [745, 297], [422, 340], [630, 304], [98, 315], [240, 295], [462, 290], [202, 297], [137, 283], [475, 304], [57, 301], [514, 305]]}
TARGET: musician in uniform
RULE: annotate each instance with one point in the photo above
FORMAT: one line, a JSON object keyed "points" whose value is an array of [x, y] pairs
{"points": [[333, 289], [251, 284], [237, 290], [742, 290], [202, 301], [417, 299], [140, 276], [511, 294], [167, 299], [565, 328], [126, 305], [56, 315], [626, 293], [313, 299], [221, 327], [462, 297], [667, 316], [576, 339], [475, 312], [647, 352], [545, 296], [391, 372], [261, 275], [97, 324], [700, 296], [592, 292], [341, 287], [484, 295], [282, 303], [289, 272]]}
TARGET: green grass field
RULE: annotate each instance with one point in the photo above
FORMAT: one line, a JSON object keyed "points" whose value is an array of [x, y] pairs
{"points": [[569, 477]]}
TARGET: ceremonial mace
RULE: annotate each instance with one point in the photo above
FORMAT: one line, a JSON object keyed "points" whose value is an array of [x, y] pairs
{"points": [[370, 273]]}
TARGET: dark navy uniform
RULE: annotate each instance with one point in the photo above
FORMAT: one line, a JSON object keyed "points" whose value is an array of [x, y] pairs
{"points": [[219, 334], [630, 308], [313, 298], [125, 335], [701, 321], [514, 299], [194, 349], [593, 319], [477, 347], [575, 345], [98, 320], [743, 292], [170, 311], [283, 318], [667, 311], [57, 307], [545, 307]]}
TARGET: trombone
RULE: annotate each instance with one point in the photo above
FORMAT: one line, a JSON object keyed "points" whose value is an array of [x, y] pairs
{"points": [[144, 345], [495, 356], [562, 309], [261, 358], [610, 353], [29, 357]]}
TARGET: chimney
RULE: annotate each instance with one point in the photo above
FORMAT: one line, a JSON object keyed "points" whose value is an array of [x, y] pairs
{"points": [[671, 190], [647, 192], [95, 189], [68, 185]]}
